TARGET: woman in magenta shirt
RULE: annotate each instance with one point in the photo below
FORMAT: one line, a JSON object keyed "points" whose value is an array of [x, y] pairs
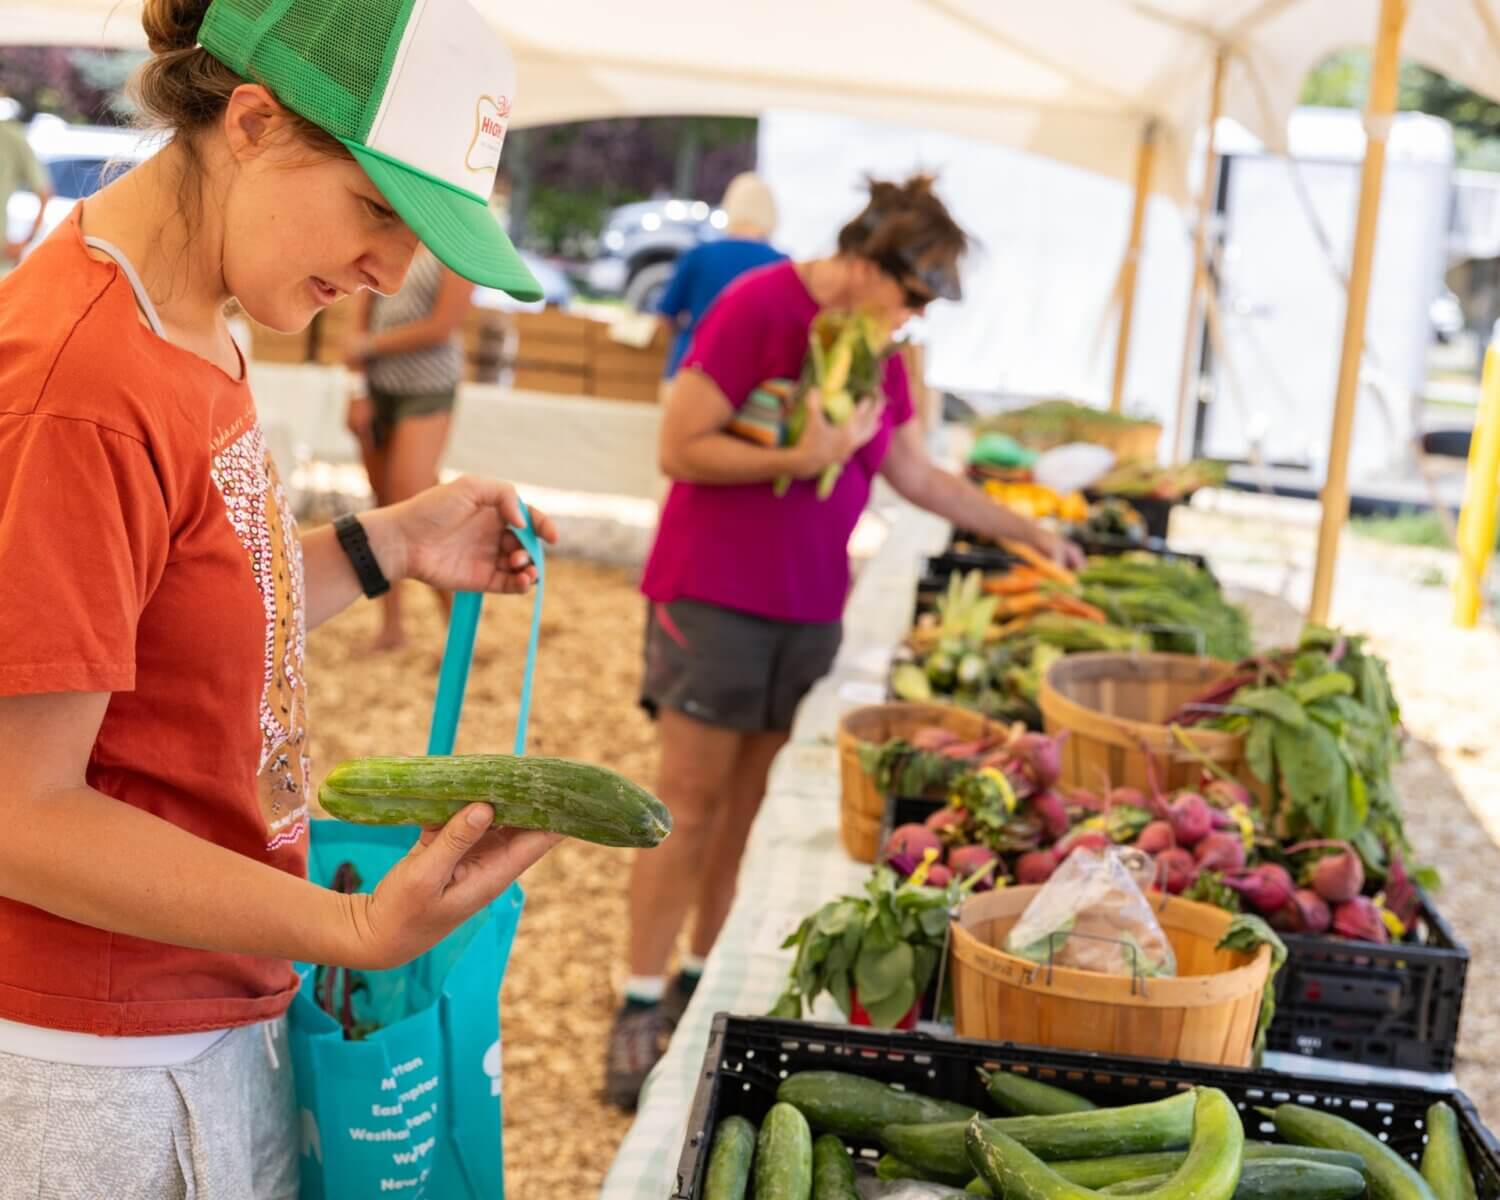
{"points": [[747, 590]]}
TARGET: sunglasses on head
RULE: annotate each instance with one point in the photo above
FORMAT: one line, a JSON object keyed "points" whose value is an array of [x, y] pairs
{"points": [[920, 286]]}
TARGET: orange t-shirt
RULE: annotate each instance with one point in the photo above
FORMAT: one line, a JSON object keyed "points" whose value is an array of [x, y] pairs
{"points": [[146, 550]]}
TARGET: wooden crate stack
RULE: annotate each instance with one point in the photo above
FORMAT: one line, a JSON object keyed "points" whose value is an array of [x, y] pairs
{"points": [[561, 352], [269, 346]]}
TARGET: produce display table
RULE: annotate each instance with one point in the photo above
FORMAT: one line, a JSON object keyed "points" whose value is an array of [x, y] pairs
{"points": [[794, 863]]}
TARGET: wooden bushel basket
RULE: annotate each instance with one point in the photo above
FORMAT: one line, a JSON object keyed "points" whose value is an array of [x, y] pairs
{"points": [[861, 804], [1114, 708], [1206, 1013]]}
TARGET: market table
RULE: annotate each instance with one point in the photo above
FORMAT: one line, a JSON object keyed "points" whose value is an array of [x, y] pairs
{"points": [[794, 863]]}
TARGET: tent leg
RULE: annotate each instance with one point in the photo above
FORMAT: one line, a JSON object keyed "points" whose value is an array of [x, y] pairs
{"points": [[1476, 521], [1143, 161], [1378, 109], [1200, 242]]}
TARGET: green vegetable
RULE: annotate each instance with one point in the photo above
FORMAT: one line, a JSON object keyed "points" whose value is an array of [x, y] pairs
{"points": [[578, 799], [784, 1156], [1122, 1168], [1022, 1097], [909, 682], [729, 1160], [1445, 1167], [833, 1170], [1390, 1177], [1247, 933], [939, 1149], [888, 1166], [1210, 1171], [1271, 1179], [853, 1106]]}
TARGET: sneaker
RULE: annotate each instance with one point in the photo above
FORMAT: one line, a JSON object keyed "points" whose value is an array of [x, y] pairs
{"points": [[675, 999], [636, 1043]]}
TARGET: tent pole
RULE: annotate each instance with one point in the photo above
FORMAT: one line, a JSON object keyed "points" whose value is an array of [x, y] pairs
{"points": [[1143, 163], [1200, 242], [1476, 520], [1379, 106]]}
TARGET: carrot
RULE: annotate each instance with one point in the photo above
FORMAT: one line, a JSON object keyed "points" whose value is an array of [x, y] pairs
{"points": [[1036, 559], [1015, 606], [999, 632], [1075, 607], [1016, 582]]}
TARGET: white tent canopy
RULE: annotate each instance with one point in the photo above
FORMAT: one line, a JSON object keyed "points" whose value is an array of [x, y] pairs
{"points": [[1076, 80]]}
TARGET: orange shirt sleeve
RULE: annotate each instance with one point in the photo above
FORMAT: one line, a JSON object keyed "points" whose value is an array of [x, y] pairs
{"points": [[84, 536]]}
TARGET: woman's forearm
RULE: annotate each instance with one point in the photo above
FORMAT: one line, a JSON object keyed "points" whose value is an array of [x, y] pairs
{"points": [[85, 856], [967, 507], [723, 458], [330, 584]]}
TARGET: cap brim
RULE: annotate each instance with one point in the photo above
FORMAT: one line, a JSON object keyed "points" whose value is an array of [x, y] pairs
{"points": [[459, 228]]}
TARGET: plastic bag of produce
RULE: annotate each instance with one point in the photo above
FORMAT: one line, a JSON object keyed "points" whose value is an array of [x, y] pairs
{"points": [[412, 1099], [1093, 915]]}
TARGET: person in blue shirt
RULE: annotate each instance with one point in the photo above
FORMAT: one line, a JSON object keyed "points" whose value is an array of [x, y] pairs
{"points": [[706, 270]]}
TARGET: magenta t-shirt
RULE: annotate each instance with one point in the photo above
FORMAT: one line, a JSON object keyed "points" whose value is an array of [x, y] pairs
{"points": [[739, 546]]}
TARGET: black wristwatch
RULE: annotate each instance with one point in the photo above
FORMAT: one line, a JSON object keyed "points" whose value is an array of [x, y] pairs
{"points": [[351, 535]]}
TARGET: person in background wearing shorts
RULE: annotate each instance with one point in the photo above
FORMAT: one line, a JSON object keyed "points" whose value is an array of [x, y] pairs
{"points": [[746, 590], [407, 348], [155, 591], [706, 270]]}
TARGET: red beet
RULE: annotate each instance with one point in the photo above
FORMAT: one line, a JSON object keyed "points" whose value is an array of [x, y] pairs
{"points": [[939, 876], [1156, 837], [933, 738], [1036, 867], [1221, 852], [1042, 756], [1359, 919], [1091, 839], [1268, 888], [966, 860], [1125, 795], [1338, 878], [1306, 912], [1401, 894], [1225, 793], [1083, 798], [1052, 810], [1192, 819], [912, 839], [1175, 870], [946, 820]]}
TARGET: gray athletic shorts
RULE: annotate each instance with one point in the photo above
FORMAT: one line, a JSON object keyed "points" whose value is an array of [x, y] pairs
{"points": [[731, 669], [222, 1126]]}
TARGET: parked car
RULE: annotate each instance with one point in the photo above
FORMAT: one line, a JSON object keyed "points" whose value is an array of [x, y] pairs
{"points": [[642, 242], [80, 159]]}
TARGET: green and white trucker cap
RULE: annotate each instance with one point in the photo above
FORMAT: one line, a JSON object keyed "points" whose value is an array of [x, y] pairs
{"points": [[420, 91]]}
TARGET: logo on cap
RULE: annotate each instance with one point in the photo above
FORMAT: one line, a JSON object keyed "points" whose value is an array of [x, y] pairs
{"points": [[491, 118]]}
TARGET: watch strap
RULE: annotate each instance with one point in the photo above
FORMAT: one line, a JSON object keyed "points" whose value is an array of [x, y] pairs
{"points": [[351, 535]]}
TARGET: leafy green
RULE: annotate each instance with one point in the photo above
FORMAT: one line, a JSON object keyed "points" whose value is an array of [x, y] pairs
{"points": [[1247, 933]]}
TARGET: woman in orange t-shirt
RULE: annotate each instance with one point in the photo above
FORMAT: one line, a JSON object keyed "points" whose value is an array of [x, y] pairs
{"points": [[154, 591]]}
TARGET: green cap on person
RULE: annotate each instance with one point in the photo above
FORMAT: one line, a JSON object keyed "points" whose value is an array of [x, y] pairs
{"points": [[420, 91]]}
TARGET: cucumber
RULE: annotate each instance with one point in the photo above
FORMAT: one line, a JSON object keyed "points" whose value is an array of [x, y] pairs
{"points": [[1388, 1175], [1210, 1171], [853, 1106], [940, 1149], [833, 1170], [1022, 1097], [1445, 1167], [784, 1156], [729, 1160], [889, 1167], [1271, 1179], [577, 799], [1124, 1168]]}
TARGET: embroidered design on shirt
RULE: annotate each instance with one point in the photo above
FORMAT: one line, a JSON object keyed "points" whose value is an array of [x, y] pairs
{"points": [[263, 522]]}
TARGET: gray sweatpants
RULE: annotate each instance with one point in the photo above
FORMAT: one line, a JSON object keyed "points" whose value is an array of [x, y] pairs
{"points": [[220, 1127]]}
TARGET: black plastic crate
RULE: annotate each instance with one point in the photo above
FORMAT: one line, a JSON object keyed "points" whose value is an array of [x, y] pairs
{"points": [[747, 1057], [1385, 1006], [1157, 514]]}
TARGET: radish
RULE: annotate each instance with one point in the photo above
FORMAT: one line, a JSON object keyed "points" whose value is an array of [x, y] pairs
{"points": [[1126, 795], [1176, 870], [939, 876], [947, 821], [1225, 793], [965, 861], [1042, 756], [911, 839], [1036, 867], [1052, 810], [1156, 837], [1338, 878], [933, 738], [1091, 839], [1191, 818], [1359, 919], [1083, 798], [1268, 887], [1221, 852], [1306, 912]]}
